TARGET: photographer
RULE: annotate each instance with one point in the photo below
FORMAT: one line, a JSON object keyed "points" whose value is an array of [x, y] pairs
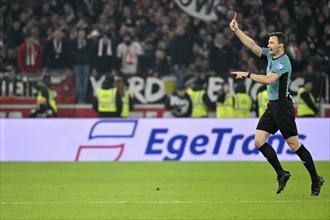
{"points": [[46, 96], [41, 112]]}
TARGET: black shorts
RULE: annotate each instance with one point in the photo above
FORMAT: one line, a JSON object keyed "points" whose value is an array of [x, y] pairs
{"points": [[279, 115]]}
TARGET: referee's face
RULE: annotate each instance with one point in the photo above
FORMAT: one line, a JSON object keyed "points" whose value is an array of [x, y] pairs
{"points": [[273, 46]]}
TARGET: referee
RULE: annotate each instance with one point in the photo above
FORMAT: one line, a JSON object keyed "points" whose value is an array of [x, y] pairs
{"points": [[279, 114]]}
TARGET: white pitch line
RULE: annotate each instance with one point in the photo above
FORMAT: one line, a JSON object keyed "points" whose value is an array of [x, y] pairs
{"points": [[152, 202], [285, 201]]}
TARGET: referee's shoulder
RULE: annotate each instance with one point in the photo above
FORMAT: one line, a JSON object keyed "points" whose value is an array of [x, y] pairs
{"points": [[284, 57], [285, 60]]}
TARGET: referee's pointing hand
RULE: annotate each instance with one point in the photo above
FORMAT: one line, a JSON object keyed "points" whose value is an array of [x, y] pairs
{"points": [[240, 75]]}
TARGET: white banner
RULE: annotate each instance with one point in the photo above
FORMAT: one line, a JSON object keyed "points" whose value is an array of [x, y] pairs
{"points": [[202, 9], [150, 140]]}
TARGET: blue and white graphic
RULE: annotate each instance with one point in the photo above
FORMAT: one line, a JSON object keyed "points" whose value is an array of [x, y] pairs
{"points": [[278, 66]]}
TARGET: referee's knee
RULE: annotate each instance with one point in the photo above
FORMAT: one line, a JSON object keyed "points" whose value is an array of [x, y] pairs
{"points": [[259, 143]]}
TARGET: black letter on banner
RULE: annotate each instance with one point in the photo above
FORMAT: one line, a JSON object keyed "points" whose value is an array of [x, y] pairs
{"points": [[185, 3]]}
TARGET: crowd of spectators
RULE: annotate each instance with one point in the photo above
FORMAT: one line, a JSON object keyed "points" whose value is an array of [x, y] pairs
{"points": [[88, 37]]}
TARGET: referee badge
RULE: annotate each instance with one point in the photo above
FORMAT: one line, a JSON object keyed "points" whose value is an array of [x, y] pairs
{"points": [[278, 66]]}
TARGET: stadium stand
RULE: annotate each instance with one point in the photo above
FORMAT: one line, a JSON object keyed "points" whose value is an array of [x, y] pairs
{"points": [[153, 26]]}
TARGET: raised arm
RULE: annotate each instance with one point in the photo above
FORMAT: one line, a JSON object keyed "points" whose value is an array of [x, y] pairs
{"points": [[245, 39]]}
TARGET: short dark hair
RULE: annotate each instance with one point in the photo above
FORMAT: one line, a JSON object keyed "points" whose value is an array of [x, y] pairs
{"points": [[280, 37]]}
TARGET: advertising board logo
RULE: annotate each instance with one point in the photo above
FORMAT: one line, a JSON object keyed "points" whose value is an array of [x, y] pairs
{"points": [[223, 142], [109, 130]]}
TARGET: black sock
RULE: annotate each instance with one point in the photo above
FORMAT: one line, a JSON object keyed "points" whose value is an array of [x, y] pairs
{"points": [[270, 154], [307, 159]]}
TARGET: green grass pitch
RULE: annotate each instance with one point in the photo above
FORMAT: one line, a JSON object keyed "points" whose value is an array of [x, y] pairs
{"points": [[159, 190]]}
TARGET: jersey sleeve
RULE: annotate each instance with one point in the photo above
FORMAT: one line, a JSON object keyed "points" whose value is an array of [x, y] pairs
{"points": [[280, 67], [265, 53]]}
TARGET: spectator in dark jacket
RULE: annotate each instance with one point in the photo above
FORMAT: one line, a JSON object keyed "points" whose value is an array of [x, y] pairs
{"points": [[162, 66], [181, 53], [82, 65], [57, 54], [9, 62], [15, 35], [220, 56], [103, 56]]}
